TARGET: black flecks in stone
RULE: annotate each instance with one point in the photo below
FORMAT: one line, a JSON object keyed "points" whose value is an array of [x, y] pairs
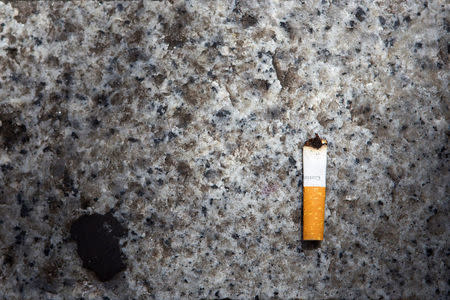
{"points": [[119, 7], [101, 100], [248, 20], [46, 250], [97, 238], [183, 169], [357, 161], [150, 221], [80, 97], [20, 237], [429, 252], [11, 132], [223, 113], [133, 140], [150, 171], [292, 161], [171, 136], [6, 167], [285, 26], [24, 210], [161, 110], [95, 123], [380, 203], [352, 24], [11, 52], [37, 41], [396, 24], [160, 181], [382, 20], [67, 78], [328, 27], [389, 42], [134, 54], [212, 76], [235, 236], [8, 259], [204, 211], [418, 45], [360, 14], [407, 19]]}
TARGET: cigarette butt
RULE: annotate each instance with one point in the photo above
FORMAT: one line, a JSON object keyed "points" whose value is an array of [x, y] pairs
{"points": [[314, 183]]}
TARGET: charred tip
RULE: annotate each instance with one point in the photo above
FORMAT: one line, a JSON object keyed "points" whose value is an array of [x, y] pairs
{"points": [[316, 142]]}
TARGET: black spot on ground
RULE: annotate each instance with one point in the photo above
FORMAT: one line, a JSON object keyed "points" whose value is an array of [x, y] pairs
{"points": [[248, 20], [360, 14], [97, 238], [11, 132]]}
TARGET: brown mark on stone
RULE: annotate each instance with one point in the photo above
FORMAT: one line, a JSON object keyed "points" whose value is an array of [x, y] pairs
{"points": [[175, 34]]}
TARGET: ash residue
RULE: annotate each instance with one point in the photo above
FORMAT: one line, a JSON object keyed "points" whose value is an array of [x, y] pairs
{"points": [[315, 142]]}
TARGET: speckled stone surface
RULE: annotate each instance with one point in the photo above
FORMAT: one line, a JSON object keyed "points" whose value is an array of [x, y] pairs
{"points": [[185, 120]]}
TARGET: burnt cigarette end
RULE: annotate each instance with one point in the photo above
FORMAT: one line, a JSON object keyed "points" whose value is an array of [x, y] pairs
{"points": [[315, 142]]}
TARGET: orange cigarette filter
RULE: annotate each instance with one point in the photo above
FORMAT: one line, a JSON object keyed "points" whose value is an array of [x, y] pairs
{"points": [[314, 185]]}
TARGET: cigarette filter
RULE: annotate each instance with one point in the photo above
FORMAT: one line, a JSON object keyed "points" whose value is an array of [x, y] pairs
{"points": [[314, 174]]}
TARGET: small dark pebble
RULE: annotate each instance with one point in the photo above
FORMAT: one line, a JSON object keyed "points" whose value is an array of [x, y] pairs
{"points": [[360, 14], [248, 20], [97, 238], [222, 113]]}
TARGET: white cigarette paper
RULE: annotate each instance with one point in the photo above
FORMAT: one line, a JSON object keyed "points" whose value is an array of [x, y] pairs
{"points": [[314, 166]]}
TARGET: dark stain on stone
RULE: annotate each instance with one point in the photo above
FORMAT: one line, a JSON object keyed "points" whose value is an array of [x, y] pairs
{"points": [[195, 94], [101, 100], [183, 169], [135, 54], [159, 79], [25, 8], [97, 238], [261, 84], [11, 52], [248, 20], [184, 118], [176, 33], [135, 37], [12, 132]]}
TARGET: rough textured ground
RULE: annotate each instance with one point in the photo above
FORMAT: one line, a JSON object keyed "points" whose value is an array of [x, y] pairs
{"points": [[185, 121]]}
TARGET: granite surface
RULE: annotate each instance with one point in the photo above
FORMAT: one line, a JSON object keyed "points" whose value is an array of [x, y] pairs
{"points": [[185, 120]]}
